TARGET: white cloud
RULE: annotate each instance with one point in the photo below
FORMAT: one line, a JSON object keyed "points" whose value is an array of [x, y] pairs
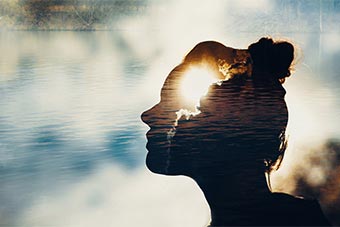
{"points": [[312, 123], [262, 5], [331, 42], [114, 197]]}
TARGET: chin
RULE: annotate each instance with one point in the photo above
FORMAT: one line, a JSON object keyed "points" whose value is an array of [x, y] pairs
{"points": [[157, 160]]}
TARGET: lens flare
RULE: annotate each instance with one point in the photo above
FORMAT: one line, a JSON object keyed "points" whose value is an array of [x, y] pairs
{"points": [[195, 84]]}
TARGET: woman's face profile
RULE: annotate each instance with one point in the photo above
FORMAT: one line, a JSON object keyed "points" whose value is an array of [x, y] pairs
{"points": [[177, 123], [163, 120], [221, 121]]}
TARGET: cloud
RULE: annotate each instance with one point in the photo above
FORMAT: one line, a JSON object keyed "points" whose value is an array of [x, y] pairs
{"points": [[311, 162], [331, 43], [93, 96], [114, 197]]}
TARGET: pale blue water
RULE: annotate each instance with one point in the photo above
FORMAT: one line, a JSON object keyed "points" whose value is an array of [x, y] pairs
{"points": [[70, 102], [63, 112]]}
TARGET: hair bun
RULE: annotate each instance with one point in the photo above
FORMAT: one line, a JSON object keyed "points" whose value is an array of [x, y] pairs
{"points": [[272, 59]]}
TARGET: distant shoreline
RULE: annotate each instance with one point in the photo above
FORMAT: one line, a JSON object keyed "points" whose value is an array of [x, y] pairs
{"points": [[75, 15]]}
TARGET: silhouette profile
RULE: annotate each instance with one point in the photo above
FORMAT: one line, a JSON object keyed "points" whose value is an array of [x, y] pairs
{"points": [[231, 134]]}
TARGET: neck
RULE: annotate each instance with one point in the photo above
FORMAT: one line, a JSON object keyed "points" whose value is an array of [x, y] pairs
{"points": [[228, 195]]}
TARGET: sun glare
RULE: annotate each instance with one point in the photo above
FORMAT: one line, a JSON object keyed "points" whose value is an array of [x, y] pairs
{"points": [[195, 84]]}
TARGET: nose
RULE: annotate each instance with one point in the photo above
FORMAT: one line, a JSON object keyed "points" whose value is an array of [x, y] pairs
{"points": [[147, 115]]}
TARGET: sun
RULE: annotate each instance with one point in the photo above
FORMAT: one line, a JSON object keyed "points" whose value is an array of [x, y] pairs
{"points": [[195, 84]]}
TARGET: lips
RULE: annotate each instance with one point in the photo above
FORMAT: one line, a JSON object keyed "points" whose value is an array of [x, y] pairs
{"points": [[150, 134], [158, 135]]}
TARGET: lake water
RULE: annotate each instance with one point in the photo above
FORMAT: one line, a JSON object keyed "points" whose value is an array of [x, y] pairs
{"points": [[70, 113], [72, 145]]}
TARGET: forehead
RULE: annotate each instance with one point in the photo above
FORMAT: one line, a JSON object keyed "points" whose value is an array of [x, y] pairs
{"points": [[173, 81], [207, 63]]}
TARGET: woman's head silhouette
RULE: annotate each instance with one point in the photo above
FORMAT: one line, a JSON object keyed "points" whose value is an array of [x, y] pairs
{"points": [[227, 138], [232, 115]]}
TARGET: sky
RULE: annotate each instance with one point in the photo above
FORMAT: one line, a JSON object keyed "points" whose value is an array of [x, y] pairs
{"points": [[72, 145]]}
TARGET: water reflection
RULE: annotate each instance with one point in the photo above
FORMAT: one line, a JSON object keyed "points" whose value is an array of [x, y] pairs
{"points": [[234, 138], [68, 98], [62, 112]]}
